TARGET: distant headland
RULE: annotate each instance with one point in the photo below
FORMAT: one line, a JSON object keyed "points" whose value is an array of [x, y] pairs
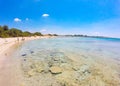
{"points": [[6, 32]]}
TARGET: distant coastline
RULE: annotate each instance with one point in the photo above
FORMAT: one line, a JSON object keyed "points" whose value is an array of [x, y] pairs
{"points": [[6, 32], [88, 36]]}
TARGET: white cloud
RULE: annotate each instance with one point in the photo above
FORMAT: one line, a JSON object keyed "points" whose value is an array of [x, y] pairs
{"points": [[17, 20], [45, 15], [26, 19]]}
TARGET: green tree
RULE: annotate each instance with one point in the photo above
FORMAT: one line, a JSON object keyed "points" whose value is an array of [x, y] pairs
{"points": [[49, 34], [15, 32], [1, 30], [55, 35], [5, 28], [4, 31], [26, 33], [37, 34]]}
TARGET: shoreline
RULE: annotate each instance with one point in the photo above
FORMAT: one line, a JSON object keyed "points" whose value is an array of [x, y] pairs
{"points": [[6, 43]]}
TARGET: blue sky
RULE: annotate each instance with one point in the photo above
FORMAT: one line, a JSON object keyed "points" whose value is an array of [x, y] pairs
{"points": [[91, 17]]}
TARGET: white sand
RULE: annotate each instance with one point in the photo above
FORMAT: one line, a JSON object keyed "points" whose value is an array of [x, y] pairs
{"points": [[9, 67]]}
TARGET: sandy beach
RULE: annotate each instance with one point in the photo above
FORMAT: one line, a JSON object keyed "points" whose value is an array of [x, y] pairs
{"points": [[9, 66]]}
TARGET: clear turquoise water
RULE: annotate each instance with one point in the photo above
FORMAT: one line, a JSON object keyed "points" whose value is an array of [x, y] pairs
{"points": [[95, 47], [99, 56]]}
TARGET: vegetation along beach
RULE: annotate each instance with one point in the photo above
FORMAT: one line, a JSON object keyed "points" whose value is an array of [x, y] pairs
{"points": [[59, 43]]}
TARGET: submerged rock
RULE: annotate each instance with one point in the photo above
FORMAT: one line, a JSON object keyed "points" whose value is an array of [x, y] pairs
{"points": [[24, 59], [23, 54], [39, 66], [31, 52], [68, 78], [31, 73], [55, 70], [39, 69], [84, 69]]}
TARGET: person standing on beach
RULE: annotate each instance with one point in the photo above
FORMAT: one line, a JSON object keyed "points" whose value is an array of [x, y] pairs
{"points": [[18, 39], [6, 40]]}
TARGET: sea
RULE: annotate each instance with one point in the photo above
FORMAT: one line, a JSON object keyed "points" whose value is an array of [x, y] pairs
{"points": [[100, 47], [90, 61]]}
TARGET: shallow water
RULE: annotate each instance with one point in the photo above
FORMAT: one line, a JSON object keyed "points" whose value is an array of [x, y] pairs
{"points": [[95, 55], [105, 47]]}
